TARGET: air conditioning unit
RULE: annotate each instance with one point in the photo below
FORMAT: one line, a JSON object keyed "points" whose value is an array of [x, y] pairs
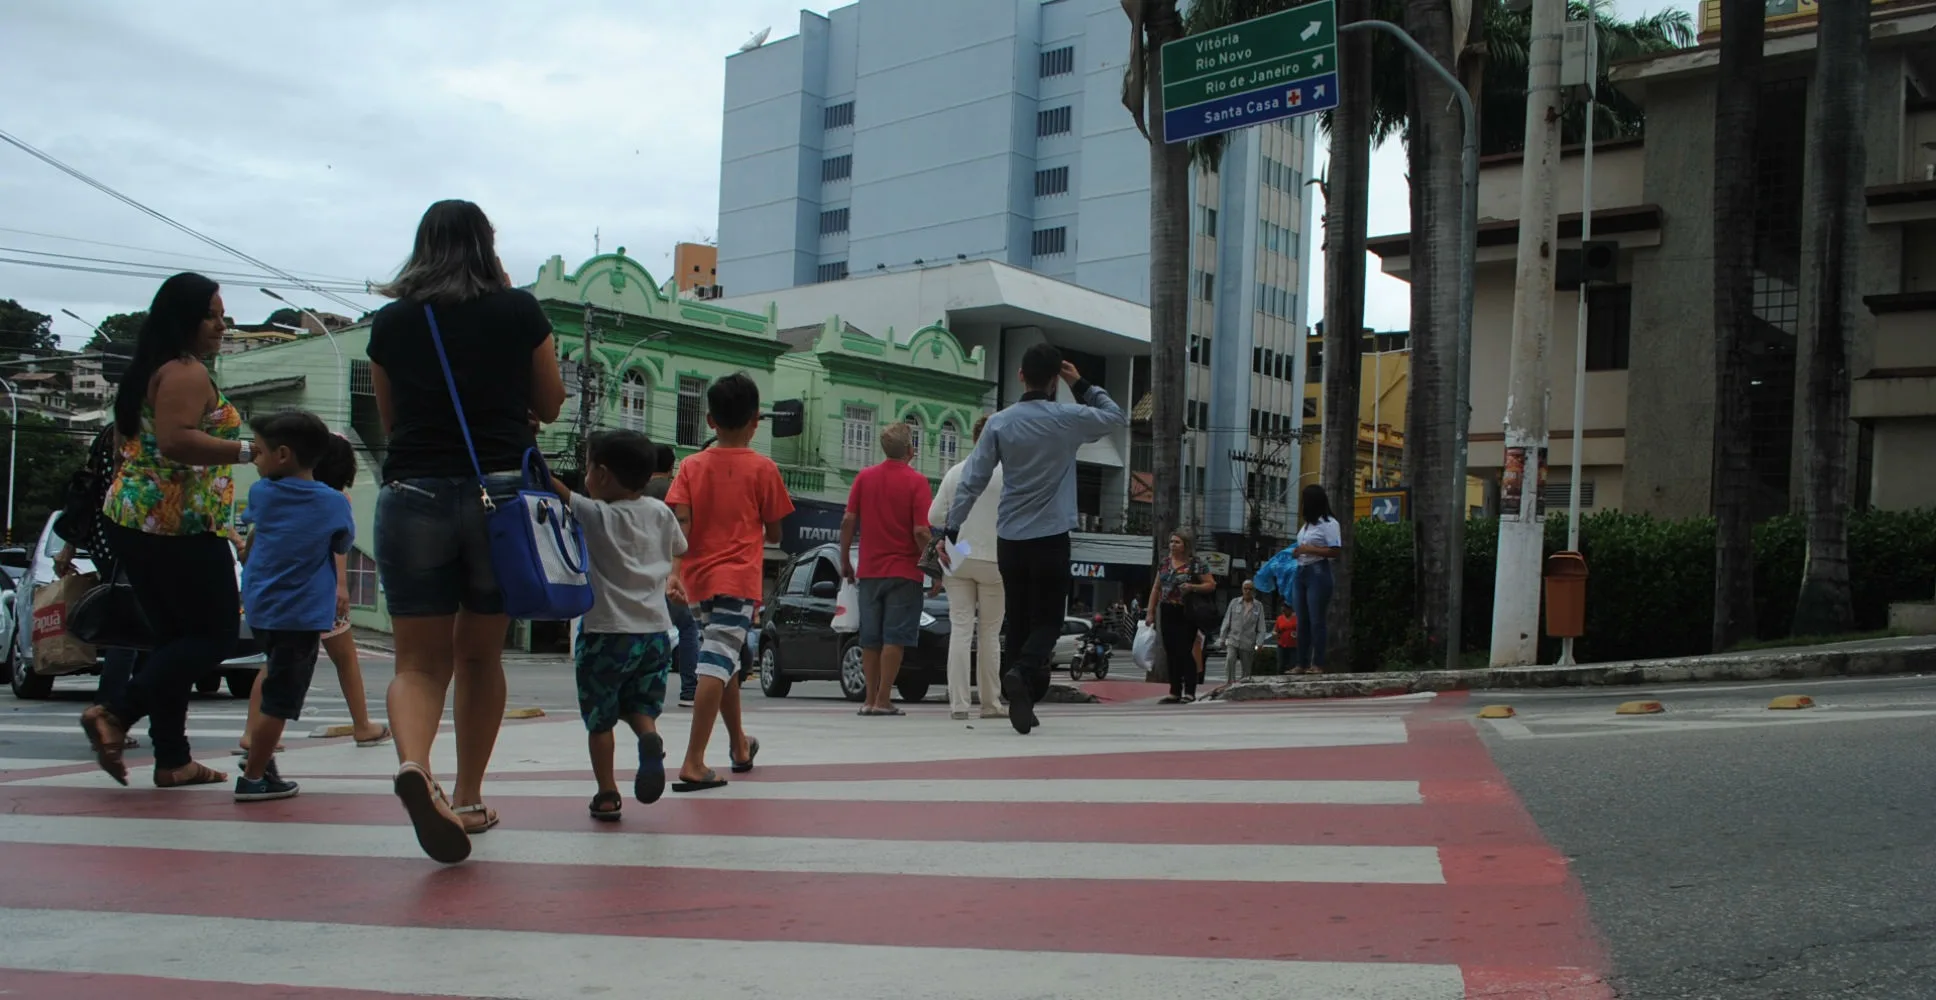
{"points": [[709, 291]]}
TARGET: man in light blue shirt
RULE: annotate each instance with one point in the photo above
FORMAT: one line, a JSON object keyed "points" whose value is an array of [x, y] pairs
{"points": [[1035, 443]]}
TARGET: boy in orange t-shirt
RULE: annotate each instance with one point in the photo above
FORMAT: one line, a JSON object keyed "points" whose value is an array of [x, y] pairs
{"points": [[730, 502]]}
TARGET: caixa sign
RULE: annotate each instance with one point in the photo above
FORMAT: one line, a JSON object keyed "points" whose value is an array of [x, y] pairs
{"points": [[1087, 570]]}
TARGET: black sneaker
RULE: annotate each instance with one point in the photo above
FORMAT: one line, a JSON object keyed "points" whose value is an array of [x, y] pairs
{"points": [[1021, 704], [267, 788]]}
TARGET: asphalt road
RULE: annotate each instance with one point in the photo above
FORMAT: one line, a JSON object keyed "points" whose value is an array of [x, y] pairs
{"points": [[1732, 852]]}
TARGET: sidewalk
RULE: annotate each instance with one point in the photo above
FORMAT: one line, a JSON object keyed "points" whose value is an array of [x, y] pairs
{"points": [[1899, 655]]}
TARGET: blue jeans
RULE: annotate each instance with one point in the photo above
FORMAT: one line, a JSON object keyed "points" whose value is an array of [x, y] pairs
{"points": [[1311, 597], [433, 549], [686, 654]]}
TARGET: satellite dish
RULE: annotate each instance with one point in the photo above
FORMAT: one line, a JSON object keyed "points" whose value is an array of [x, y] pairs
{"points": [[758, 39]]}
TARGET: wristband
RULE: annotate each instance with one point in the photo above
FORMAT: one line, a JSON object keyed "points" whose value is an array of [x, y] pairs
{"points": [[247, 453]]}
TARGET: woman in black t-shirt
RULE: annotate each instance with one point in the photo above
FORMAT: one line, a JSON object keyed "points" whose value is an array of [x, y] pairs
{"points": [[432, 551]]}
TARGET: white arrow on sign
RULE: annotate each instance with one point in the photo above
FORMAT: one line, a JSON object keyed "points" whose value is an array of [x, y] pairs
{"points": [[1317, 92], [1311, 31], [1317, 60]]}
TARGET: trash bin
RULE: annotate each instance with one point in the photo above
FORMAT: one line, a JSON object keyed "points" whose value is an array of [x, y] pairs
{"points": [[1565, 595]]}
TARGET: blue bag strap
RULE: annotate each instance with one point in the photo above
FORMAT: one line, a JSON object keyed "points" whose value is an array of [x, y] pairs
{"points": [[463, 423]]}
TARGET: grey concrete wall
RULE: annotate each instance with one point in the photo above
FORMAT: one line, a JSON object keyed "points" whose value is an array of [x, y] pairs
{"points": [[1670, 384]]}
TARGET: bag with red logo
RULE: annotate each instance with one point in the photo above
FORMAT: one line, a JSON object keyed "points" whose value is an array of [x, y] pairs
{"points": [[56, 647], [847, 609]]}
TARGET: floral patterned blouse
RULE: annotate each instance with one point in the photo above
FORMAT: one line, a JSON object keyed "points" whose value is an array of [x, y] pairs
{"points": [[1170, 580], [160, 497]]}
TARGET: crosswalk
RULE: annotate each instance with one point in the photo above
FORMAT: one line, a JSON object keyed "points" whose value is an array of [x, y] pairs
{"points": [[1358, 850]]}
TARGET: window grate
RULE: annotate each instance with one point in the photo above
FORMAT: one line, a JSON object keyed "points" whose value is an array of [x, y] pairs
{"points": [[857, 437], [634, 400], [1054, 121], [833, 220], [838, 115], [837, 168], [692, 411], [1057, 62], [1052, 181], [1049, 242], [834, 271]]}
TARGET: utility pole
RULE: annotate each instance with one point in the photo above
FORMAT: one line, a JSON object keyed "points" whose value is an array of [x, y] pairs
{"points": [[591, 384], [1515, 600]]}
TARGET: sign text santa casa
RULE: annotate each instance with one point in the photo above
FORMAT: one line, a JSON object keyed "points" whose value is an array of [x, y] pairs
{"points": [[1280, 66]]}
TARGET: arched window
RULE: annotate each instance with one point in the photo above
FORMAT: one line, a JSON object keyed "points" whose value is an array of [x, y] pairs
{"points": [[948, 448], [634, 397], [914, 436]]}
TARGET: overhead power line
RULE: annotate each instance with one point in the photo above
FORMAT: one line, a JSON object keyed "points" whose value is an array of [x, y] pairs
{"points": [[78, 175], [355, 287], [167, 253], [269, 282]]}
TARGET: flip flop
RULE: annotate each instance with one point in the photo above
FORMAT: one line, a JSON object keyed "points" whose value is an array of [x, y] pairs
{"points": [[614, 803], [439, 831], [752, 751], [376, 741], [889, 710], [649, 784], [710, 781]]}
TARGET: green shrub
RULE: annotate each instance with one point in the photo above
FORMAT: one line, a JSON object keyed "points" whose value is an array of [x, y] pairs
{"points": [[1650, 585]]}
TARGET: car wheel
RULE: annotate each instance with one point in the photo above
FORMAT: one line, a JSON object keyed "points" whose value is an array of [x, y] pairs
{"points": [[912, 690], [853, 679], [208, 683], [771, 683], [240, 683], [26, 685]]}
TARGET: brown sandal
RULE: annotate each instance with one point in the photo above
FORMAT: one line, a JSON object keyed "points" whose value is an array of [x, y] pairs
{"points": [[486, 817], [108, 737], [191, 773], [440, 832]]}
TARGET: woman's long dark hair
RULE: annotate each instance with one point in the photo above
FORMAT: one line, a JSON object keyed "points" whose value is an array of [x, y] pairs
{"points": [[1314, 505], [168, 334], [453, 260]]}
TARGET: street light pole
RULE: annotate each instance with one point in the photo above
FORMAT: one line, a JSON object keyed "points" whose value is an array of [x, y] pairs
{"points": [[1462, 377], [13, 450], [1579, 336], [342, 387]]}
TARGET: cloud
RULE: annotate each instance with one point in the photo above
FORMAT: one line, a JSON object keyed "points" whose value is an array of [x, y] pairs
{"points": [[312, 134]]}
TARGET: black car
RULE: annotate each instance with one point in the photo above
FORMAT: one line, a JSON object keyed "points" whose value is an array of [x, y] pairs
{"points": [[798, 643]]}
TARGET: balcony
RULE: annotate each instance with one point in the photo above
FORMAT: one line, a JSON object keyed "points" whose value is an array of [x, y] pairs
{"points": [[800, 480]]}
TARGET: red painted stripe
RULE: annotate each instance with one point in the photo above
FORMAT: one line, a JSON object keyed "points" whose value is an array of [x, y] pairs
{"points": [[1121, 691], [91, 986], [1484, 829], [1521, 983], [1496, 925]]}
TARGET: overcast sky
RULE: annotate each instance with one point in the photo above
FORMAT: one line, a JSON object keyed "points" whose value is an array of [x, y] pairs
{"points": [[312, 134]]}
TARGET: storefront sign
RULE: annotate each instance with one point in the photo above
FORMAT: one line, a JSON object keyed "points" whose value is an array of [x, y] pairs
{"points": [[810, 525], [1088, 571]]}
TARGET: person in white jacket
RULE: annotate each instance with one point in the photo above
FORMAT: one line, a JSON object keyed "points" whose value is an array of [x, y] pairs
{"points": [[974, 586]]}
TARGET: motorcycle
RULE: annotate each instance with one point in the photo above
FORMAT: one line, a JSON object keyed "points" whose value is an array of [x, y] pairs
{"points": [[1092, 655]]}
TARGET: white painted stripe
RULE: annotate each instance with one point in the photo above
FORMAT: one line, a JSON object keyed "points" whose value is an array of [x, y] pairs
{"points": [[1083, 790], [958, 859], [521, 965], [34, 763]]}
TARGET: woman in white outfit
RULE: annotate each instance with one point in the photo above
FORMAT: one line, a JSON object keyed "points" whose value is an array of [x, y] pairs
{"points": [[974, 586]]}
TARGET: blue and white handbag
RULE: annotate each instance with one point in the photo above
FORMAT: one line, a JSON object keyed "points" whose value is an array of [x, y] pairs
{"points": [[537, 547]]}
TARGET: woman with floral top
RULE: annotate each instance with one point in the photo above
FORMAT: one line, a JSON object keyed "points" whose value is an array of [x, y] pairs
{"points": [[166, 514], [1180, 576]]}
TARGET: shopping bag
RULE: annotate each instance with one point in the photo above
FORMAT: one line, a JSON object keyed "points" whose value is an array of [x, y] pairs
{"points": [[847, 608], [1145, 649], [56, 648]]}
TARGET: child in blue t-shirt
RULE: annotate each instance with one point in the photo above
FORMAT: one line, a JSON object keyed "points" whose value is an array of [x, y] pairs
{"points": [[288, 580]]}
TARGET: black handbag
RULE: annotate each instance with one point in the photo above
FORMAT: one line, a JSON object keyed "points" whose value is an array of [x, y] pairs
{"points": [[111, 616]]}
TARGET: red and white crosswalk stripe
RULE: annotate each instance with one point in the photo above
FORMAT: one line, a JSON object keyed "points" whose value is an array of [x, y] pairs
{"points": [[1370, 851]]}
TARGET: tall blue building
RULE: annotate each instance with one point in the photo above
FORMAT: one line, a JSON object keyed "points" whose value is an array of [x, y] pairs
{"points": [[900, 133]]}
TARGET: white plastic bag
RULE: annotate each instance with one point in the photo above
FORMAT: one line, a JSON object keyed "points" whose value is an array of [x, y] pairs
{"points": [[1145, 647], [847, 608]]}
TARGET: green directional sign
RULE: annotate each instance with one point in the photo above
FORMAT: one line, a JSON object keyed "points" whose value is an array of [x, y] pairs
{"points": [[1279, 66]]}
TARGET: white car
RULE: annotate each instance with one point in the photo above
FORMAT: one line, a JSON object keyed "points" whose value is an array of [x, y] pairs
{"points": [[238, 672], [1073, 629]]}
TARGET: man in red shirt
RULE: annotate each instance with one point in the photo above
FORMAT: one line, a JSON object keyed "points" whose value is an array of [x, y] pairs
{"points": [[889, 506]]}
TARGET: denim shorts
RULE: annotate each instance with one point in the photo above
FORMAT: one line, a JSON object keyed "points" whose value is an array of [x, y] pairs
{"points": [[890, 612], [433, 551]]}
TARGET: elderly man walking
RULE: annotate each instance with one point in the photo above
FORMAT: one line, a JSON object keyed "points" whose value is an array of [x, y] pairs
{"points": [[888, 507], [1034, 442], [1243, 629]]}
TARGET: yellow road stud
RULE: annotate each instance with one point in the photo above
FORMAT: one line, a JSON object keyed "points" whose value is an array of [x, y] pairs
{"points": [[1640, 708], [1496, 712], [1792, 701], [524, 713]]}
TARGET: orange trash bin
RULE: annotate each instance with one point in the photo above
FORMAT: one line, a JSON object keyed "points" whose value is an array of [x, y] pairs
{"points": [[1565, 595]]}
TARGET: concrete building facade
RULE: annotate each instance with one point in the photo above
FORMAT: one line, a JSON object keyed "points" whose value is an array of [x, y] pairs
{"points": [[893, 135]]}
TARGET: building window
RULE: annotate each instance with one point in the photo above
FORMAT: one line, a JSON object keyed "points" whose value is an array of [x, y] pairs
{"points": [[913, 422], [1314, 362], [1275, 301], [1049, 242], [1206, 286], [1559, 496], [692, 411], [1196, 414], [838, 115], [634, 397], [833, 220], [1207, 220], [1054, 121], [948, 446], [360, 574], [857, 437], [1057, 62], [1310, 407], [1054, 180], [1276, 238], [831, 272], [837, 168], [1609, 312], [1199, 350]]}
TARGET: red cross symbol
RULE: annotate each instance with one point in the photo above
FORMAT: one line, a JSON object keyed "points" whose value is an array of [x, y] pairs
{"points": [[1295, 96]]}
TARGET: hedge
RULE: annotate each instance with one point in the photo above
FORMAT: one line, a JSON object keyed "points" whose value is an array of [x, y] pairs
{"points": [[1650, 589]]}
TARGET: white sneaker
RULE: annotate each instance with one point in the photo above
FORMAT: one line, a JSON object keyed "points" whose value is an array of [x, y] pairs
{"points": [[958, 716], [683, 703]]}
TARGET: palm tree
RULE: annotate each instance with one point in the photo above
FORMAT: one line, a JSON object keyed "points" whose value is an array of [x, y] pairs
{"points": [[1837, 155], [1152, 23], [1736, 100]]}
